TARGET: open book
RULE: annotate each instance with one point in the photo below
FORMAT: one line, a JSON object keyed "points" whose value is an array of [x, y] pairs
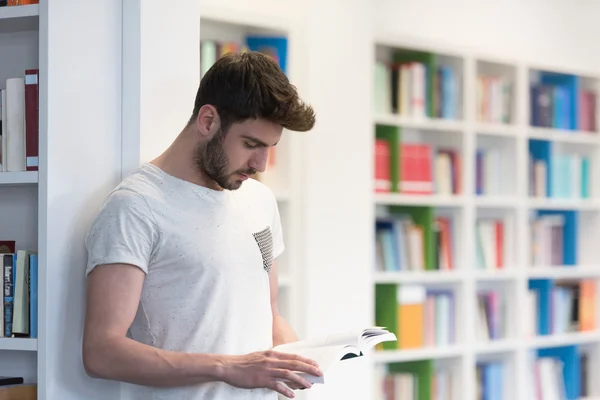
{"points": [[328, 350]]}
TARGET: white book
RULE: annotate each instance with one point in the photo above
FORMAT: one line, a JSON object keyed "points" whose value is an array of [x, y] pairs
{"points": [[15, 124], [21, 301], [334, 348]]}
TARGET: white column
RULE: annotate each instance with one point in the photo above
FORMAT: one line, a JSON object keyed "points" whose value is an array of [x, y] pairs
{"points": [[161, 73], [80, 160], [338, 208]]}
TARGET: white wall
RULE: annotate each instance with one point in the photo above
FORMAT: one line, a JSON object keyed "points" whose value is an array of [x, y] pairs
{"points": [[338, 210], [272, 8], [80, 81], [548, 31]]}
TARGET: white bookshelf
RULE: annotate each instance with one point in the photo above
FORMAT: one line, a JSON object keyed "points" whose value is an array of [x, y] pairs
{"points": [[506, 200], [228, 25], [48, 211], [19, 193]]}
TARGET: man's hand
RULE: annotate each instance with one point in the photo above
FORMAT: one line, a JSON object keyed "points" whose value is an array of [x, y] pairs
{"points": [[266, 369]]}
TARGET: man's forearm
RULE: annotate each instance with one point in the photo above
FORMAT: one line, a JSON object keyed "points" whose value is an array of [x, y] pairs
{"points": [[126, 360], [282, 331]]}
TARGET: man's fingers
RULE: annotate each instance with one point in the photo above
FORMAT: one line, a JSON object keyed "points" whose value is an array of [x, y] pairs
{"points": [[298, 366], [281, 388], [294, 357], [292, 379]]}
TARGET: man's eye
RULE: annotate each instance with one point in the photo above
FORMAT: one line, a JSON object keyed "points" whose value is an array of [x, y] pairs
{"points": [[250, 145]]}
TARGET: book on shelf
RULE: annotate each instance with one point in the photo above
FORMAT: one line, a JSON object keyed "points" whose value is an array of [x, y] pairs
{"points": [[19, 123], [558, 307], [274, 46], [19, 305], [489, 243], [561, 101], [414, 380], [415, 168], [489, 380], [494, 99], [489, 172], [558, 373], [330, 349], [420, 317], [413, 239], [553, 238], [558, 174], [416, 85], [490, 317]]}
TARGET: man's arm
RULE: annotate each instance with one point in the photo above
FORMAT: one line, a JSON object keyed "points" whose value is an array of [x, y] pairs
{"points": [[282, 331], [112, 301], [113, 295]]}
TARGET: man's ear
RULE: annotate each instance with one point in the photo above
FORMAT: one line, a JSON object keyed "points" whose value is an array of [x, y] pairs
{"points": [[208, 121]]}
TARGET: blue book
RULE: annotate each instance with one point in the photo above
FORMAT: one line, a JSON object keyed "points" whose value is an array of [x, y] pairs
{"points": [[569, 355], [570, 85], [33, 296], [275, 46]]}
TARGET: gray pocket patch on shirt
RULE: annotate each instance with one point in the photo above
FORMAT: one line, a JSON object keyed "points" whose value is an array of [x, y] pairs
{"points": [[264, 239]]}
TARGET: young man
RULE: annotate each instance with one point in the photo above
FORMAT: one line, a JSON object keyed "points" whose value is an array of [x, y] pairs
{"points": [[182, 278]]}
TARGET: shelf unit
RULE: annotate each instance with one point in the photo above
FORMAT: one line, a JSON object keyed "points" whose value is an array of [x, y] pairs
{"points": [[20, 197], [480, 107], [224, 25]]}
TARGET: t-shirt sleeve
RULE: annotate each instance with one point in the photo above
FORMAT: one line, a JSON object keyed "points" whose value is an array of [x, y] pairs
{"points": [[278, 243], [124, 231]]}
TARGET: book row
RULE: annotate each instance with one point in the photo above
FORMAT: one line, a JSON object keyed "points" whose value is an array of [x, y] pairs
{"points": [[418, 380], [494, 99], [417, 84], [557, 174], [423, 238], [19, 123], [415, 168], [416, 238], [413, 85], [19, 305], [561, 101], [427, 169], [552, 373], [561, 306], [558, 373], [418, 316]]}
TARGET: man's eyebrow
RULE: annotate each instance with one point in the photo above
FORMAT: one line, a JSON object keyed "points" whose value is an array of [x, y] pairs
{"points": [[257, 141]]}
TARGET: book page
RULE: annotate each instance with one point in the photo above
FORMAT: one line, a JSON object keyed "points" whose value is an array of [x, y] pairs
{"points": [[373, 340], [335, 339], [325, 356]]}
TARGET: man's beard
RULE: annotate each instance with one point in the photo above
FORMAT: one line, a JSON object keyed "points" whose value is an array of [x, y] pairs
{"points": [[212, 161]]}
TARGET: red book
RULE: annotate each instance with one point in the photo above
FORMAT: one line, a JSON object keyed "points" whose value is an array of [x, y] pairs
{"points": [[7, 246], [499, 244], [415, 169], [31, 119], [382, 166]]}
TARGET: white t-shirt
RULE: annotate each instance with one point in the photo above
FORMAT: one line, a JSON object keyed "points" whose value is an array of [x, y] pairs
{"points": [[206, 255]]}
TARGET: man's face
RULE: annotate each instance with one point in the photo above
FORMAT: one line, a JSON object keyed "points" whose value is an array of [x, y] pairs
{"points": [[229, 158]]}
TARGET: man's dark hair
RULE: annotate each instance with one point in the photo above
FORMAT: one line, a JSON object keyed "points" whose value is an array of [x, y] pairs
{"points": [[251, 85]]}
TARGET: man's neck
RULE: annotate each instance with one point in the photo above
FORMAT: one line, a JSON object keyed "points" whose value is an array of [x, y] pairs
{"points": [[178, 161]]}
